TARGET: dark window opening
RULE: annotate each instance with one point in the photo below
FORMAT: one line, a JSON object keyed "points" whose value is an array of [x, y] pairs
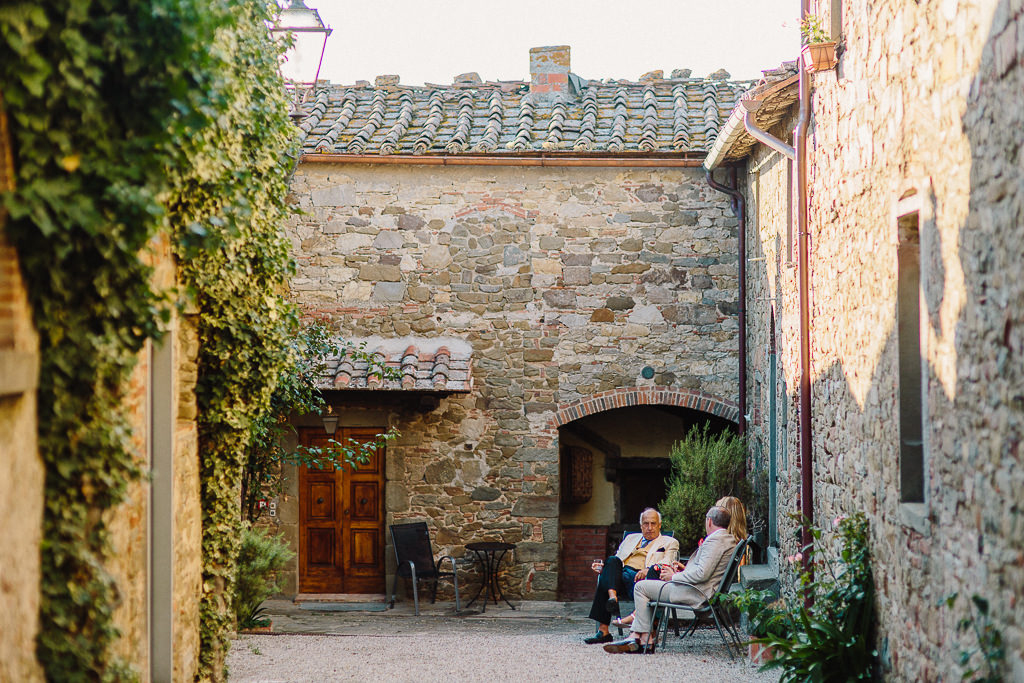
{"points": [[908, 318]]}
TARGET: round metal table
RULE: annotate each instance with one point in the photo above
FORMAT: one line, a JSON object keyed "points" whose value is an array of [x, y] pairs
{"points": [[490, 554]]}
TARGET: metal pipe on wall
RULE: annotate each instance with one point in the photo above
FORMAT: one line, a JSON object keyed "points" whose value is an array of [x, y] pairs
{"points": [[739, 207], [806, 454]]}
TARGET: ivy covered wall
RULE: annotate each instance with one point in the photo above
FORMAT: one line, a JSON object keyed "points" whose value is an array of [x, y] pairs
{"points": [[130, 119]]}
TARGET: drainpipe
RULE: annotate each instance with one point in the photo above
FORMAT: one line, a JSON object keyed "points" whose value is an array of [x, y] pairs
{"points": [[751, 106], [806, 455], [739, 207]]}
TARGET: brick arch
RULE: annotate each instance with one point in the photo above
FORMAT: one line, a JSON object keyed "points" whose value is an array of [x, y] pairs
{"points": [[644, 396]]}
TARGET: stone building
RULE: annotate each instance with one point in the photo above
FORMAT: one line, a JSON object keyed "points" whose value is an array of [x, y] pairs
{"points": [[547, 266], [155, 533], [914, 246]]}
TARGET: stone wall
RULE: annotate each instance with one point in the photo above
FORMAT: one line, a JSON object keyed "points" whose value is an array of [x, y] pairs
{"points": [[566, 281], [21, 469], [922, 115]]}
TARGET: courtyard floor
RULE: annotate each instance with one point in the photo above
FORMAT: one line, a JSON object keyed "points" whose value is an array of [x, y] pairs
{"points": [[539, 641]]}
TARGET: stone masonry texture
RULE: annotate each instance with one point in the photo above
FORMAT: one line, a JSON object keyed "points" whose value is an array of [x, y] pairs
{"points": [[921, 116], [567, 283]]}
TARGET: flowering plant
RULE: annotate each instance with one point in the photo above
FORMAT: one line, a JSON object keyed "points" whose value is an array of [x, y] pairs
{"points": [[812, 31], [829, 623]]}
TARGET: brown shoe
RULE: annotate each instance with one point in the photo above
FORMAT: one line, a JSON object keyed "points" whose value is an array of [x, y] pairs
{"points": [[630, 644]]}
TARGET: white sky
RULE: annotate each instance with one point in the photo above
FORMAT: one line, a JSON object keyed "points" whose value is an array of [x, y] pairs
{"points": [[432, 41]]}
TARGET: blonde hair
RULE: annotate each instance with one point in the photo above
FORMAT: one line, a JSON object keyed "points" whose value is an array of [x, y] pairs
{"points": [[738, 516]]}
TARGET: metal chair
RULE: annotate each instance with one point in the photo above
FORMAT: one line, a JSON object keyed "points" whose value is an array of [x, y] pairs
{"points": [[415, 560], [709, 608]]}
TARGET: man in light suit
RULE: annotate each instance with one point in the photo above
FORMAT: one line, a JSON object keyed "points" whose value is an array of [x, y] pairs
{"points": [[632, 562], [704, 571]]}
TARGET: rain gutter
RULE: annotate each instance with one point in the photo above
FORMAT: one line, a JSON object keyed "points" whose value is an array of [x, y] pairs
{"points": [[806, 454]]}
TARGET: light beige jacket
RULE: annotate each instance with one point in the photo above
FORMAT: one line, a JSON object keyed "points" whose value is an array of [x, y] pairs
{"points": [[662, 550]]}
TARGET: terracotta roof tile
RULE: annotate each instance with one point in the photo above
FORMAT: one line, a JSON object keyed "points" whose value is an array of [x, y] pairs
{"points": [[424, 364], [677, 115]]}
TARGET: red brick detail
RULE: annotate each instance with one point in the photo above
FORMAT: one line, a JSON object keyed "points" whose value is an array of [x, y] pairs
{"points": [[580, 546], [640, 396]]}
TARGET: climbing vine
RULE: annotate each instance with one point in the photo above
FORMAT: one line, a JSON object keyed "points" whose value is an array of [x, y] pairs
{"points": [[230, 202], [131, 118]]}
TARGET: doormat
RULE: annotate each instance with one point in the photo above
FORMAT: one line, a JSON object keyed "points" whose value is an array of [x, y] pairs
{"points": [[344, 606]]}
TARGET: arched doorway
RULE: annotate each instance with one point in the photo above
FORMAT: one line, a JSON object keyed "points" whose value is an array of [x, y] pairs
{"points": [[614, 462]]}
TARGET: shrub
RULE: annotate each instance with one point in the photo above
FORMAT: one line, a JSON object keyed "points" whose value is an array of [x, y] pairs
{"points": [[705, 467], [261, 557], [830, 621]]}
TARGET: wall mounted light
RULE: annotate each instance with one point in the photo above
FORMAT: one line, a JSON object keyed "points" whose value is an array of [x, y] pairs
{"points": [[330, 421]]}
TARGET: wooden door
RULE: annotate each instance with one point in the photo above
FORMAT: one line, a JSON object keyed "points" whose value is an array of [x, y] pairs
{"points": [[341, 520]]}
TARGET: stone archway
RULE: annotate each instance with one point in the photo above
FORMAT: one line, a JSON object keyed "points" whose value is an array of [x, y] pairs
{"points": [[638, 396], [618, 443]]}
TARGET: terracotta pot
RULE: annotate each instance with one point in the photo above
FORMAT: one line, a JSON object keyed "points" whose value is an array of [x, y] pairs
{"points": [[260, 629], [759, 654], [819, 56]]}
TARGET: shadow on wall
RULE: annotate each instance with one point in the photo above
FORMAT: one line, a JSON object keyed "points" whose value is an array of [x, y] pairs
{"points": [[965, 534]]}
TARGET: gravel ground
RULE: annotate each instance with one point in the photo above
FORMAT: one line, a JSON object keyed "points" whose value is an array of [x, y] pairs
{"points": [[460, 649]]}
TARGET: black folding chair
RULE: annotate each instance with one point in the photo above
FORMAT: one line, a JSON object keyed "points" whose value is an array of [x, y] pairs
{"points": [[719, 614], [415, 557]]}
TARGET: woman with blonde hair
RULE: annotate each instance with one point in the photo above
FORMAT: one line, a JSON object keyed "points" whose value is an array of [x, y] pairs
{"points": [[737, 519], [738, 516]]}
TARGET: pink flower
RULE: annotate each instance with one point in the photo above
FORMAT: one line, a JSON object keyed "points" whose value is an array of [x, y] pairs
{"points": [[837, 520], [795, 558]]}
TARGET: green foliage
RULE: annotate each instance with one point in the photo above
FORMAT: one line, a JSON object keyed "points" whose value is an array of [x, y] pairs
{"points": [[130, 118], [260, 558], [296, 393], [705, 467], [812, 31], [235, 143], [826, 631], [766, 614], [990, 643]]}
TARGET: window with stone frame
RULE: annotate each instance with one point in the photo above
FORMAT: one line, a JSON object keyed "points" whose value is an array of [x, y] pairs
{"points": [[911, 390]]}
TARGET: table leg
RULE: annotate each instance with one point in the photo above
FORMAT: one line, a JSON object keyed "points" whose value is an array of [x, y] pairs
{"points": [[497, 586], [483, 566]]}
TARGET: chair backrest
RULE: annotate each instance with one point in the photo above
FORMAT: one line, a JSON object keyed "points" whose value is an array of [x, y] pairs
{"points": [[734, 563], [412, 544]]}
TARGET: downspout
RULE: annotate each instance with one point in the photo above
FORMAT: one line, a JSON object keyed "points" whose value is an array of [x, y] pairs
{"points": [[739, 207], [806, 454]]}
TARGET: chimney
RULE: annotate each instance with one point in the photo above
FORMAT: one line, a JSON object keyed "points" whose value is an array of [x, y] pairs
{"points": [[549, 69]]}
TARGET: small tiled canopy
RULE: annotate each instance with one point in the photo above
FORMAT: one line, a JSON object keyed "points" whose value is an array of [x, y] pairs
{"points": [[441, 364]]}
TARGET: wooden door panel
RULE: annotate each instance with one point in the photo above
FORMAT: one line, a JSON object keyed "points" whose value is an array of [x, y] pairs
{"points": [[364, 549], [321, 501], [320, 545], [364, 502], [341, 535]]}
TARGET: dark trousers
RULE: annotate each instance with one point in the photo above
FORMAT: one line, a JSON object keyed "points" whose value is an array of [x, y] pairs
{"points": [[617, 578]]}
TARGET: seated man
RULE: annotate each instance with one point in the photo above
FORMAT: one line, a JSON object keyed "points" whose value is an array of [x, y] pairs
{"points": [[704, 570], [633, 561]]}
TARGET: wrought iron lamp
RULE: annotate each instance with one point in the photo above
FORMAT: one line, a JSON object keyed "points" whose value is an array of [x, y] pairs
{"points": [[330, 421], [305, 55]]}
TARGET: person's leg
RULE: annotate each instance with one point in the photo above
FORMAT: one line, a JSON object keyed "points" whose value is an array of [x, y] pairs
{"points": [[643, 614], [608, 582]]}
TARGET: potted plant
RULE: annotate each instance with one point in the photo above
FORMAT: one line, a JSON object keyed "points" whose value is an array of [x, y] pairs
{"points": [[818, 52], [766, 615]]}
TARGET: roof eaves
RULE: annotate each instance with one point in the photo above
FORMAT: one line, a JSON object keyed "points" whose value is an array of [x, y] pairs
{"points": [[777, 91]]}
